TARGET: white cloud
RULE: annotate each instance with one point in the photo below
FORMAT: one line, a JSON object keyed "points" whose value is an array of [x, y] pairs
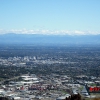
{"points": [[79, 32], [49, 32]]}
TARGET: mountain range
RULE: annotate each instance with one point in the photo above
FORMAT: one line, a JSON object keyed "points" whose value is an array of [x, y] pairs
{"points": [[12, 38]]}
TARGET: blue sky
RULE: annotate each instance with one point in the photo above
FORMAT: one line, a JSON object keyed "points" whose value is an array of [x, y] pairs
{"points": [[50, 16]]}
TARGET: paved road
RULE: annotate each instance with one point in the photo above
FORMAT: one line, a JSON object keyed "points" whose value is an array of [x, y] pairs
{"points": [[13, 78]]}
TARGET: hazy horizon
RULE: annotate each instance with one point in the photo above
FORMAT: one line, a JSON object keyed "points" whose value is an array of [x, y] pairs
{"points": [[53, 17]]}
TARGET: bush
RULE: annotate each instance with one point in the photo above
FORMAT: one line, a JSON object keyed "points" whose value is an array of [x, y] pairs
{"points": [[74, 97], [4, 98]]}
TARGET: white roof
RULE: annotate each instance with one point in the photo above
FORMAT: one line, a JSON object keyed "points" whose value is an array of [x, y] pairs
{"points": [[2, 90], [16, 98], [30, 78], [60, 98], [63, 97]]}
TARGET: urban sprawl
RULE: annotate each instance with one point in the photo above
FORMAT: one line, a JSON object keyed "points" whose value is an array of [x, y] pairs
{"points": [[49, 73]]}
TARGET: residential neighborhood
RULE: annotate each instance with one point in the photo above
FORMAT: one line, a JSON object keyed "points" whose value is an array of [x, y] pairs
{"points": [[49, 76]]}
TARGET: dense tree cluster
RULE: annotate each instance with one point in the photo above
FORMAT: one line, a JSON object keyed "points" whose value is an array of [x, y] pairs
{"points": [[74, 97], [4, 98]]}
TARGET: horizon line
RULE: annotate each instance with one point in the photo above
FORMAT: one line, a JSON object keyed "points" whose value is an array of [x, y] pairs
{"points": [[49, 32]]}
